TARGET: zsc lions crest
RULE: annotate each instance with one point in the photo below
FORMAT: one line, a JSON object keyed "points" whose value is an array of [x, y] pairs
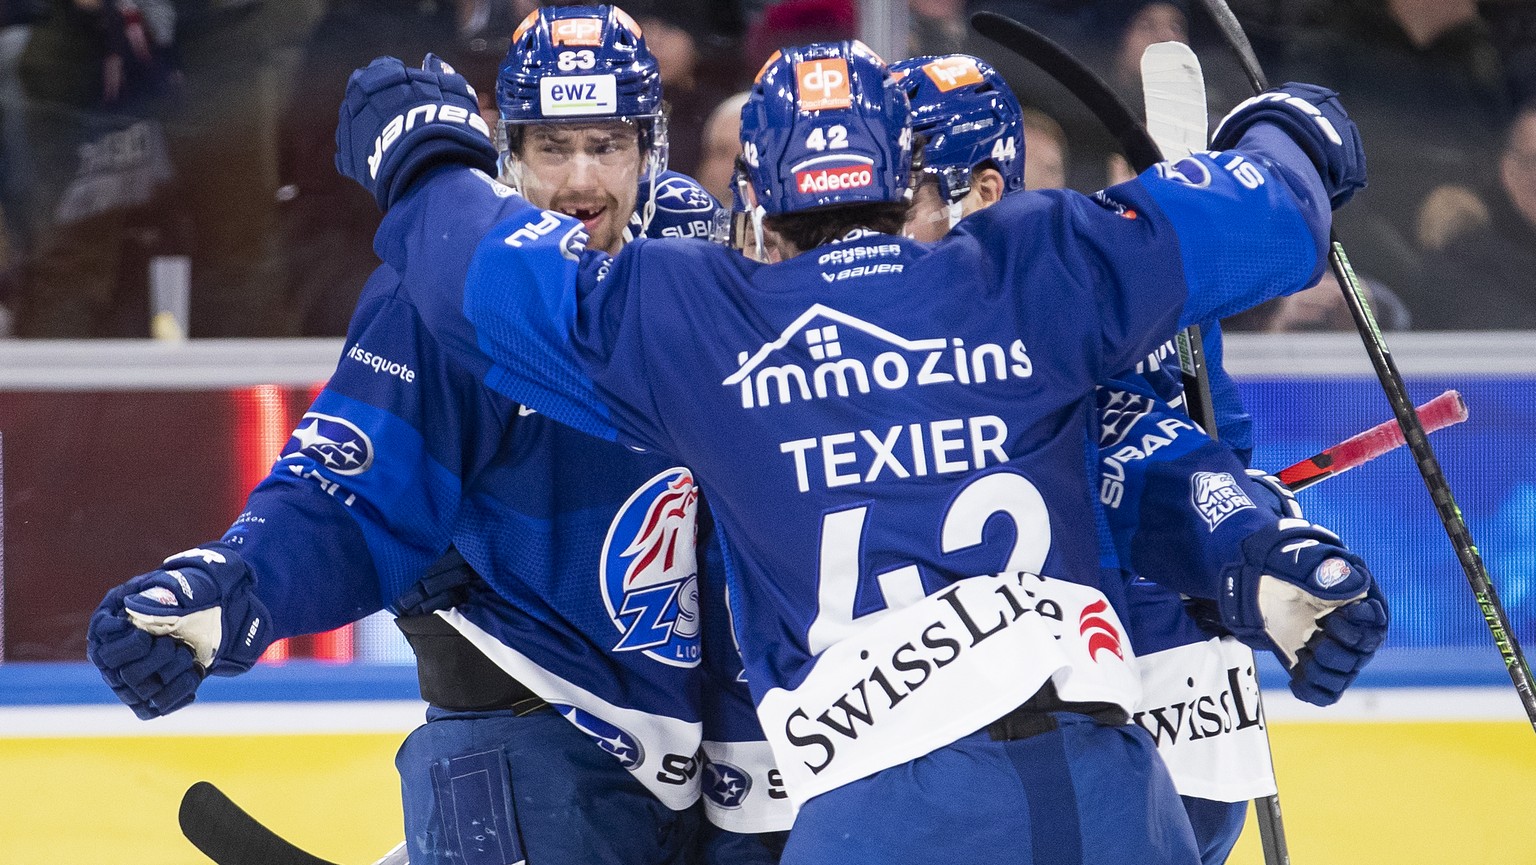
{"points": [[650, 574]]}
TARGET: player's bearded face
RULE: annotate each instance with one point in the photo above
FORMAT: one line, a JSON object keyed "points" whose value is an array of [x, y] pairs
{"points": [[588, 171]]}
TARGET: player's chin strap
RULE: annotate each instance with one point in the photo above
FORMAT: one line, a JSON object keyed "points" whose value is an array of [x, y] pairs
{"points": [[954, 210]]}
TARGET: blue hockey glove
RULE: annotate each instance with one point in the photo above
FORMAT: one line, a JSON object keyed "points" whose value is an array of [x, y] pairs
{"points": [[1313, 117], [1301, 595], [396, 122], [156, 636], [1280, 498]]}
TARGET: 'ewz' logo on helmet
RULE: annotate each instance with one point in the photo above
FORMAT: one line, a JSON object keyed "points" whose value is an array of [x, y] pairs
{"points": [[650, 573], [823, 84], [577, 95]]}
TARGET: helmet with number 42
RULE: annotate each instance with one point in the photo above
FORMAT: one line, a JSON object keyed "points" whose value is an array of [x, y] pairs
{"points": [[826, 125], [582, 64], [969, 117]]}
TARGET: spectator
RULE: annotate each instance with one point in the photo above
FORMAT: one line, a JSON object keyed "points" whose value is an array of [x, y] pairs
{"points": [[1320, 308], [1045, 151], [935, 27], [676, 31], [1439, 100], [327, 224], [797, 22], [1485, 276], [722, 142]]}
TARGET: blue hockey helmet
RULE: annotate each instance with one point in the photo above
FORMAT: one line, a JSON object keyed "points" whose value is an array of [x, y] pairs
{"points": [[969, 117], [582, 64], [826, 124]]}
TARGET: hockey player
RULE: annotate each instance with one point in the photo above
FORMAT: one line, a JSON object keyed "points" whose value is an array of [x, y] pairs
{"points": [[973, 154], [564, 688], [900, 473]]}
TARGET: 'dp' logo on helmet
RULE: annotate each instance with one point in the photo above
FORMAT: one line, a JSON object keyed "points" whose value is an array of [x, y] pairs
{"points": [[576, 31], [823, 84], [953, 71]]}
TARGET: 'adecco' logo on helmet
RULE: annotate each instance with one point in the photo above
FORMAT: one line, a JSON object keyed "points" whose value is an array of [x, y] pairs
{"points": [[834, 179], [650, 573], [334, 442], [823, 84]]}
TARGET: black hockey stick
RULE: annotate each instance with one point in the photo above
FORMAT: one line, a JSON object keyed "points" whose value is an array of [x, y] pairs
{"points": [[229, 836], [1137, 145], [1142, 152], [1402, 408]]}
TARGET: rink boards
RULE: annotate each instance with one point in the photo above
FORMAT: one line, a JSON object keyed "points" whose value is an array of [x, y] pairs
{"points": [[1396, 774]]}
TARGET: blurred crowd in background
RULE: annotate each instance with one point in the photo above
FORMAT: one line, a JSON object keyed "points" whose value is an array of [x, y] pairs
{"points": [[151, 146]]}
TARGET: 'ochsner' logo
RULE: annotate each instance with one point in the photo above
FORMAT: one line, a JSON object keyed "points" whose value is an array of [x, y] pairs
{"points": [[908, 362], [621, 745], [334, 442], [650, 573], [724, 784]]}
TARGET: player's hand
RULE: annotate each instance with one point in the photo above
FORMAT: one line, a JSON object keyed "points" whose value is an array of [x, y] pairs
{"points": [[156, 636], [1313, 117], [396, 122], [1301, 595], [1276, 494]]}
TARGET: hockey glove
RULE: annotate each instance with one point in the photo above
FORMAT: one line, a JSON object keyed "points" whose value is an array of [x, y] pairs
{"points": [[156, 636], [396, 122], [1280, 498], [1301, 595], [1314, 119]]}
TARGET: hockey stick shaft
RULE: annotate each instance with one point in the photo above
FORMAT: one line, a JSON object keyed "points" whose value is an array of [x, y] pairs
{"points": [[1142, 152], [1444, 410], [1173, 89], [225, 833], [1137, 145], [1402, 408]]}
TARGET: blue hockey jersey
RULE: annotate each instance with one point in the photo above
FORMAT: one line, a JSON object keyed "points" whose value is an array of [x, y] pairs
{"points": [[895, 438], [588, 545]]}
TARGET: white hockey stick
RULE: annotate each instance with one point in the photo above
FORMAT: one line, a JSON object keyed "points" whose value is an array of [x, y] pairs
{"points": [[1174, 90]]}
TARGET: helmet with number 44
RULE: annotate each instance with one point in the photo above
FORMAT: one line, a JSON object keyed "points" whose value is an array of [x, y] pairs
{"points": [[969, 121]]}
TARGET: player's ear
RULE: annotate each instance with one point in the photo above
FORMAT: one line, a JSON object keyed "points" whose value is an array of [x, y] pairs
{"points": [[989, 185]]}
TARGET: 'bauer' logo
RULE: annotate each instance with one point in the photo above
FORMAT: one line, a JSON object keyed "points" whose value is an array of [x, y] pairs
{"points": [[823, 84], [421, 115]]}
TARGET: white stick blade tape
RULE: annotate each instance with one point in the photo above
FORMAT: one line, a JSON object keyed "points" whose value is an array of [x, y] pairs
{"points": [[1174, 89]]}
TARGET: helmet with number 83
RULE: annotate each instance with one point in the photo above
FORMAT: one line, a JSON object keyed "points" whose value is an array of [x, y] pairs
{"points": [[582, 64], [826, 125], [969, 117]]}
